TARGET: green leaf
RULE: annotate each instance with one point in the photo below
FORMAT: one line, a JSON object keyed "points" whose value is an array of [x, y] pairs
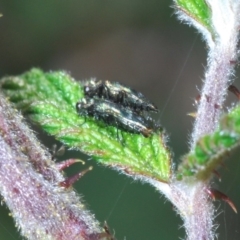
{"points": [[50, 100], [211, 149], [197, 10]]}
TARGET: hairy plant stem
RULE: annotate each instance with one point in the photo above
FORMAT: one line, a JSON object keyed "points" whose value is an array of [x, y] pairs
{"points": [[217, 79], [198, 221], [197, 211], [222, 58], [29, 185], [193, 205]]}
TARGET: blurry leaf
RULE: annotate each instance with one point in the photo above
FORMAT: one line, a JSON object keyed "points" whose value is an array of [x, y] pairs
{"points": [[197, 10]]}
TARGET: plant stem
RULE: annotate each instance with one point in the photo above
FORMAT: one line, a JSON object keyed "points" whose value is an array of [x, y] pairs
{"points": [[197, 212], [29, 184], [193, 205], [218, 77]]}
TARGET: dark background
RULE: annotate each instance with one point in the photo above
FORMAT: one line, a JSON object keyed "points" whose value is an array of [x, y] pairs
{"points": [[141, 44]]}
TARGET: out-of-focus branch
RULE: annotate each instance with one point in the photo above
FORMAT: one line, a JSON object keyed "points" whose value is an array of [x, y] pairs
{"points": [[29, 184]]}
